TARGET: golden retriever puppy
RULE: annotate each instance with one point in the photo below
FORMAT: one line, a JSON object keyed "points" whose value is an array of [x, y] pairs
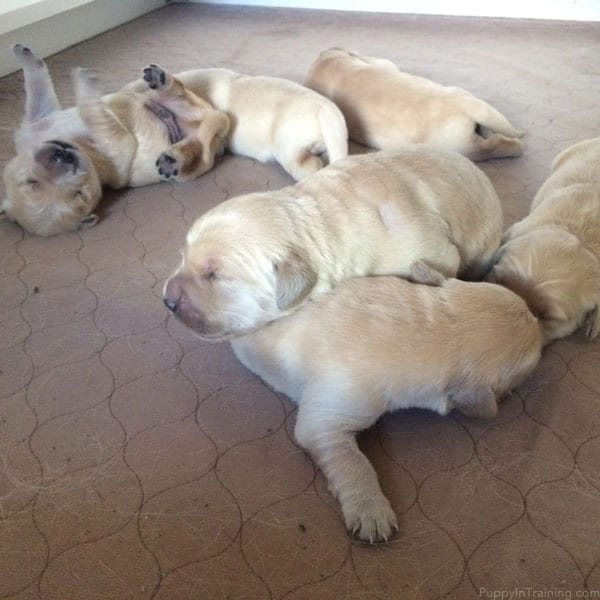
{"points": [[274, 119], [65, 157], [378, 344], [552, 256], [386, 108], [255, 258]]}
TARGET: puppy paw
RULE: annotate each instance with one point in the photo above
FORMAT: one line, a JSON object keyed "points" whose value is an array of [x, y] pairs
{"points": [[167, 166], [25, 55], [371, 520], [154, 76]]}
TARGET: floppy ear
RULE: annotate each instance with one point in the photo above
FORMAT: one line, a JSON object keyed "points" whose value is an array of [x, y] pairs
{"points": [[295, 280], [592, 323], [421, 272]]}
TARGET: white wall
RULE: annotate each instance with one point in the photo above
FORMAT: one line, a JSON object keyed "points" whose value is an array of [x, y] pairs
{"points": [[569, 10], [49, 26]]}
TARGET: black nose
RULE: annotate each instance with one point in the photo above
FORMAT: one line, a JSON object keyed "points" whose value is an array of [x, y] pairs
{"points": [[170, 304]]}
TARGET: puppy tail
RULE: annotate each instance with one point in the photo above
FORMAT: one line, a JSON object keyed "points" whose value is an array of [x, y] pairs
{"points": [[334, 131]]}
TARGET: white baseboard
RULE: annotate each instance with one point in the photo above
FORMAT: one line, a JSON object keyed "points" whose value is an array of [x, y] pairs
{"points": [[564, 10], [50, 26]]}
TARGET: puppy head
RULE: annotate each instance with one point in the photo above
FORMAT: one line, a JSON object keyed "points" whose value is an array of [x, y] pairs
{"points": [[236, 276], [51, 189], [556, 276]]}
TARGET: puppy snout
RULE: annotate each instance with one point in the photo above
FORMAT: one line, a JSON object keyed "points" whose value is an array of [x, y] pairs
{"points": [[172, 295], [171, 304]]}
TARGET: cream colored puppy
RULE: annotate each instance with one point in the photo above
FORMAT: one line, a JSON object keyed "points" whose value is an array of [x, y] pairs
{"points": [[274, 119], [552, 256], [386, 108], [255, 258], [378, 344], [129, 138]]}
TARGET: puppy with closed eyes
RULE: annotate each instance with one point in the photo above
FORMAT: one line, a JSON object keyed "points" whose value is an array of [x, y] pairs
{"points": [[379, 344], [386, 108], [273, 119], [255, 258], [552, 256], [65, 157]]}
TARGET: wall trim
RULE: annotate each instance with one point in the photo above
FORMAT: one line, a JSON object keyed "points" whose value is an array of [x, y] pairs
{"points": [[49, 26]]}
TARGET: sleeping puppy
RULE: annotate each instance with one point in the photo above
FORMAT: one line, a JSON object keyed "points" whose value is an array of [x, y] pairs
{"points": [[378, 344], [255, 258], [64, 157], [552, 257], [386, 109], [274, 119]]}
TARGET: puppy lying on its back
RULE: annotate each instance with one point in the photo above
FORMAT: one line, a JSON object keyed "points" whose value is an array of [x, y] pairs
{"points": [[377, 344], [552, 256], [274, 119], [64, 157], [386, 109], [255, 258]]}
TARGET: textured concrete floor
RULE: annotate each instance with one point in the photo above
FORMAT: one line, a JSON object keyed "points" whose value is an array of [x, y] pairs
{"points": [[137, 462]]}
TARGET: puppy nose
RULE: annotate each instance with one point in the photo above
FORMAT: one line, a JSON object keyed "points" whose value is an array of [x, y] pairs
{"points": [[171, 304]]}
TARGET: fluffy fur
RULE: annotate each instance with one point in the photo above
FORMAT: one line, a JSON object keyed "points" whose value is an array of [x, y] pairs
{"points": [[257, 257], [386, 109], [64, 157], [552, 256], [274, 119], [379, 344]]}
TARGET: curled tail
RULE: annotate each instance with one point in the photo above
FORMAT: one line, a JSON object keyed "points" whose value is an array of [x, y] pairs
{"points": [[334, 131]]}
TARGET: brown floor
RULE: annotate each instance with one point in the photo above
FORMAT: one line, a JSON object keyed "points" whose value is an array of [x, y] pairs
{"points": [[138, 462]]}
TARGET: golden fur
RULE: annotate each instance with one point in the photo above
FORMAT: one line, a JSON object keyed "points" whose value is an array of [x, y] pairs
{"points": [[378, 344], [386, 108], [552, 256], [254, 258], [274, 119], [64, 157]]}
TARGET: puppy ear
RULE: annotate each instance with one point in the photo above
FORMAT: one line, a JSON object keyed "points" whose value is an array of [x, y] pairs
{"points": [[295, 280], [592, 323], [421, 272]]}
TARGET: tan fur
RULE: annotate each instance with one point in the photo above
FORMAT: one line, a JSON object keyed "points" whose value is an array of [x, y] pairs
{"points": [[115, 139], [552, 256], [386, 108], [379, 344], [257, 257], [274, 119]]}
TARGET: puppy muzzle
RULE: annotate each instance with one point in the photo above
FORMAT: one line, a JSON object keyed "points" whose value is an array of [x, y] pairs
{"points": [[58, 157]]}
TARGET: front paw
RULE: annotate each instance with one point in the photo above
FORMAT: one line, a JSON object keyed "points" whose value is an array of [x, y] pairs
{"points": [[167, 166], [154, 76], [370, 519]]}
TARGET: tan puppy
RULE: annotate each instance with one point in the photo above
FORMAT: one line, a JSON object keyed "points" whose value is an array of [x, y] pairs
{"points": [[379, 344], [64, 157], [274, 119], [386, 109], [255, 258], [552, 256]]}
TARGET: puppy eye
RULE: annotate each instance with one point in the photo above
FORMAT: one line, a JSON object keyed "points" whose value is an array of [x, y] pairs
{"points": [[31, 181], [211, 275]]}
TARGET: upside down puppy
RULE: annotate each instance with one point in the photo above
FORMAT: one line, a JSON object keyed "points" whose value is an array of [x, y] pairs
{"points": [[386, 108], [64, 157], [378, 344], [255, 258], [552, 256]]}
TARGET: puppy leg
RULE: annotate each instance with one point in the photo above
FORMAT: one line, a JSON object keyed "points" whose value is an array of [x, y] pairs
{"points": [[40, 97], [329, 436], [115, 141], [300, 163], [195, 154], [479, 402], [494, 146]]}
